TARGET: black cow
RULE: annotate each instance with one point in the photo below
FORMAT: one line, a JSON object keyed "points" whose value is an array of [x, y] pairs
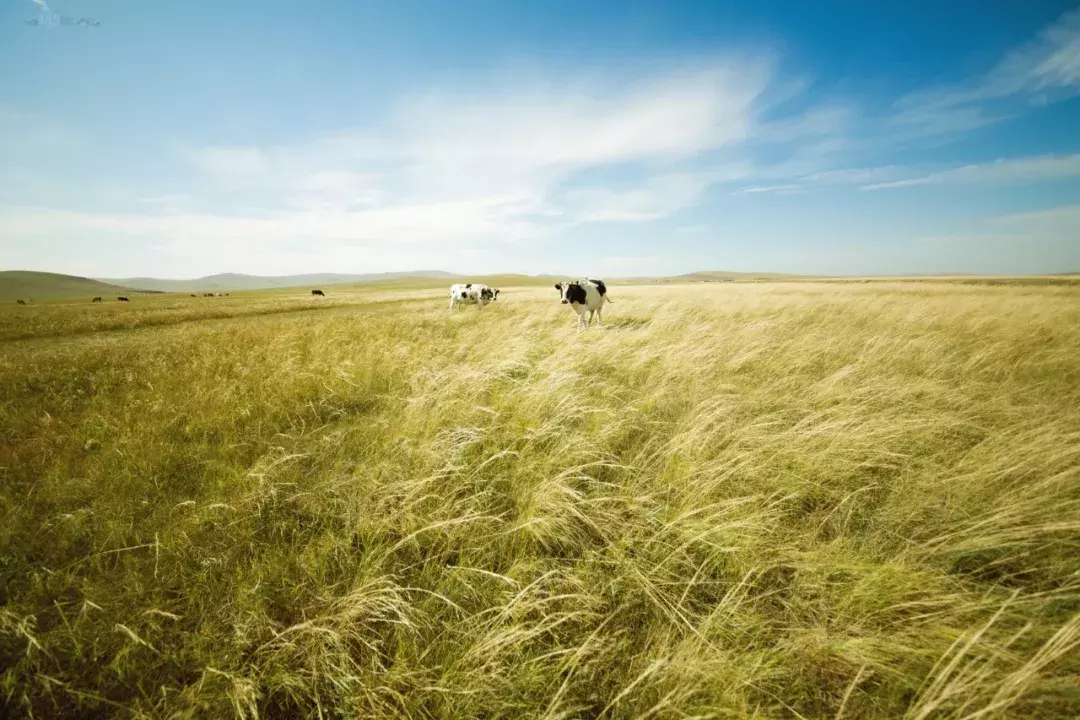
{"points": [[121, 298], [21, 302], [193, 295], [97, 299], [320, 293]]}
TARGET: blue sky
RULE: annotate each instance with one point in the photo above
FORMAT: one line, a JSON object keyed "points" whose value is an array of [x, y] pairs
{"points": [[610, 138]]}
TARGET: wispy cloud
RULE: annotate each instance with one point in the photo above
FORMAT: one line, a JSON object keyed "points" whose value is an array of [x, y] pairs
{"points": [[1065, 218], [508, 163], [777, 189], [1027, 169], [1044, 70]]}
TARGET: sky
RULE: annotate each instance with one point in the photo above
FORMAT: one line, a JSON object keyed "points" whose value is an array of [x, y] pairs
{"points": [[179, 139]]}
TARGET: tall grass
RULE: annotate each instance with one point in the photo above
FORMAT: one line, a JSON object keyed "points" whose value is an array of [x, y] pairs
{"points": [[814, 501]]}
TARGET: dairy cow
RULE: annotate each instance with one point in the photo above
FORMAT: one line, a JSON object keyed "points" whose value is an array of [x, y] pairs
{"points": [[472, 294], [586, 295]]}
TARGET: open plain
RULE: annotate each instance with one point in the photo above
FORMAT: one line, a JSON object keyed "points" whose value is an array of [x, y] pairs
{"points": [[816, 500]]}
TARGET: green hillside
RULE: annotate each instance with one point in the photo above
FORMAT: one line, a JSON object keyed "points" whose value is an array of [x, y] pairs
{"points": [[26, 285]]}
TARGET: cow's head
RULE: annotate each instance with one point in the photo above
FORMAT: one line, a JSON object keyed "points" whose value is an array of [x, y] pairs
{"points": [[571, 292], [487, 294]]}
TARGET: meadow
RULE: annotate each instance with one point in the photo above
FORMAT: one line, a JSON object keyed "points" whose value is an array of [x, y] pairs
{"points": [[774, 500]]}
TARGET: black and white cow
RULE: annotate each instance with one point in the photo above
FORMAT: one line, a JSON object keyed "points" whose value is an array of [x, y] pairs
{"points": [[472, 294], [587, 295]]}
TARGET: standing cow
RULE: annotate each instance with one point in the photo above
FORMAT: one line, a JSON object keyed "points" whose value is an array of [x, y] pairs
{"points": [[319, 293], [97, 299], [587, 295], [122, 299], [472, 294]]}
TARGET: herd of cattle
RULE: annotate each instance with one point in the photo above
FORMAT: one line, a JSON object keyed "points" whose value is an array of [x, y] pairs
{"points": [[584, 296], [587, 295]]}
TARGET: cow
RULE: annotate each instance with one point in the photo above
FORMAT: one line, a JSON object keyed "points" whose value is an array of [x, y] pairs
{"points": [[193, 295], [121, 298], [584, 295], [319, 293], [472, 294], [21, 302], [97, 299]]}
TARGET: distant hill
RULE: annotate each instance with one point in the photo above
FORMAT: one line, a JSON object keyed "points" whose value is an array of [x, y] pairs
{"points": [[25, 284], [712, 276], [236, 282]]}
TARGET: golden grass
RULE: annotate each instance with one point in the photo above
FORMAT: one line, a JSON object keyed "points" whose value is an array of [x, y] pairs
{"points": [[789, 500]]}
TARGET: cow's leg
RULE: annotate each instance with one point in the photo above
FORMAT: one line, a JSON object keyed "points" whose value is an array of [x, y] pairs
{"points": [[452, 303], [599, 315], [591, 313]]}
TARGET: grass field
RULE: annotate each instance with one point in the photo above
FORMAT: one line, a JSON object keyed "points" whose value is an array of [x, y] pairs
{"points": [[742, 500]]}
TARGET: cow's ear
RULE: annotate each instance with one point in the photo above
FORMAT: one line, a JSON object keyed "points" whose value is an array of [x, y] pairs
{"points": [[558, 286]]}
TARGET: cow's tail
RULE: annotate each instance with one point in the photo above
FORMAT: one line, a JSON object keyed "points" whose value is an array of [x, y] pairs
{"points": [[607, 298]]}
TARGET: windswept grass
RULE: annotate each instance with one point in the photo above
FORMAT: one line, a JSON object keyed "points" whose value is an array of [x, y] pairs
{"points": [[817, 501]]}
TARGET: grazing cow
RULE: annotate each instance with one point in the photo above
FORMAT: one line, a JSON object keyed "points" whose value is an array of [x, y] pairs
{"points": [[320, 293], [21, 302], [584, 295], [121, 298], [97, 299], [472, 294], [193, 295]]}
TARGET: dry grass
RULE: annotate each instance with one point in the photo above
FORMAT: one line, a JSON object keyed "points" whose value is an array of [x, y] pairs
{"points": [[855, 501]]}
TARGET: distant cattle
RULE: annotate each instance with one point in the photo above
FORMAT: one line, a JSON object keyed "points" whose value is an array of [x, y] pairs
{"points": [[97, 299], [21, 302], [472, 294], [320, 293], [208, 294], [225, 294], [587, 295], [193, 295], [122, 299]]}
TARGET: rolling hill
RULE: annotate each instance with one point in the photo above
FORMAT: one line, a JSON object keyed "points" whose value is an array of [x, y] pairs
{"points": [[26, 284], [237, 281]]}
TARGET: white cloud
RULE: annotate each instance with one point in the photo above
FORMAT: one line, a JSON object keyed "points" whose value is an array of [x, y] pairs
{"points": [[231, 161], [507, 165], [1051, 61], [657, 198], [1027, 169], [1044, 69], [1064, 219], [778, 189]]}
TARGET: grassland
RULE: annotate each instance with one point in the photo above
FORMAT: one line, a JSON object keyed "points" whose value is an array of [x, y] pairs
{"points": [[739, 500]]}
